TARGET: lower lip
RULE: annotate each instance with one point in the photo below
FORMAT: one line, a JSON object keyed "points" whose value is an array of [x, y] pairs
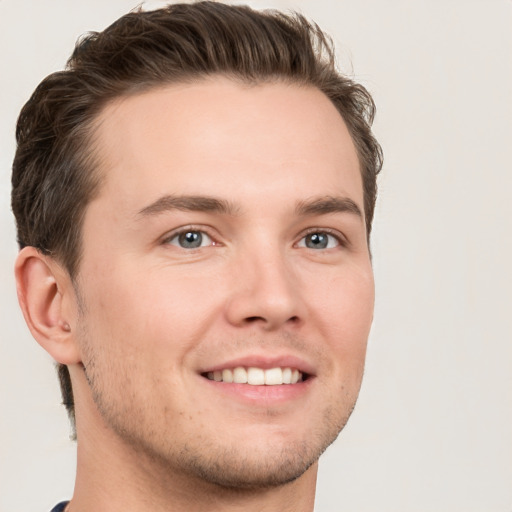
{"points": [[265, 395]]}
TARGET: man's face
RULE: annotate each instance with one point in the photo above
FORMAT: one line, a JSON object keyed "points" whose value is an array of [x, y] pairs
{"points": [[228, 239]]}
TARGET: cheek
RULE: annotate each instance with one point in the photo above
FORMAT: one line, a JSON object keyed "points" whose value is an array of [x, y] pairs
{"points": [[153, 312], [344, 313], [346, 301]]}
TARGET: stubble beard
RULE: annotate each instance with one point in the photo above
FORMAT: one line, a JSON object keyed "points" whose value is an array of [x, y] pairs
{"points": [[240, 468], [202, 458]]}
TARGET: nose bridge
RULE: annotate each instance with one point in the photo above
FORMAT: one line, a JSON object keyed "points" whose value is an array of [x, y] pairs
{"points": [[265, 288]]}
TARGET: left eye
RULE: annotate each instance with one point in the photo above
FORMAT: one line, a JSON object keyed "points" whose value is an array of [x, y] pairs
{"points": [[319, 240], [191, 239]]}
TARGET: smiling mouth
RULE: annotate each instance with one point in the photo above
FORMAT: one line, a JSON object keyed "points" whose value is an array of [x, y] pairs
{"points": [[257, 376]]}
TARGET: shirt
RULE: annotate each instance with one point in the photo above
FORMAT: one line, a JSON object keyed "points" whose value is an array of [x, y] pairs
{"points": [[60, 507]]}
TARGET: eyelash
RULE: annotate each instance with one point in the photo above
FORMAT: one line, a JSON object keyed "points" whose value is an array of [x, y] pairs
{"points": [[340, 239], [189, 229]]}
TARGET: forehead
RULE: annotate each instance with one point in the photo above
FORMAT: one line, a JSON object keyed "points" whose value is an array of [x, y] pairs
{"points": [[225, 138]]}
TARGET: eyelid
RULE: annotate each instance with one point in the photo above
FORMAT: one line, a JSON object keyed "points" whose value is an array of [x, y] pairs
{"points": [[338, 235], [185, 229]]}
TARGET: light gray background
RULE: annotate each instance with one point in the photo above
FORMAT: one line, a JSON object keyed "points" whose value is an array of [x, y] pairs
{"points": [[433, 427]]}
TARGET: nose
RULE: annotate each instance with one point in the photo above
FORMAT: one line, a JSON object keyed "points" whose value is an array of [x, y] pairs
{"points": [[265, 291]]}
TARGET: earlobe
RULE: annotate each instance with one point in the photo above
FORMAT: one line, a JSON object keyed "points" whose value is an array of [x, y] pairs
{"points": [[47, 299]]}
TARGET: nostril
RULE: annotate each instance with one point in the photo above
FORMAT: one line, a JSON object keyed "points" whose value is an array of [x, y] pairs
{"points": [[270, 323], [253, 319]]}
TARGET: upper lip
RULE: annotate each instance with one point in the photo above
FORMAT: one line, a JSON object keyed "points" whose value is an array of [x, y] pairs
{"points": [[264, 362]]}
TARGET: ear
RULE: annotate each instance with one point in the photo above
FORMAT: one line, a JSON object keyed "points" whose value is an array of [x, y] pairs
{"points": [[48, 301]]}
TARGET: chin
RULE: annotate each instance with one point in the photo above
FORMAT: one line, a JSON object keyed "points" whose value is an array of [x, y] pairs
{"points": [[264, 463], [252, 472]]}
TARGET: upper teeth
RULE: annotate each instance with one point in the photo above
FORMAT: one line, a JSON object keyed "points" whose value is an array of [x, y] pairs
{"points": [[257, 376]]}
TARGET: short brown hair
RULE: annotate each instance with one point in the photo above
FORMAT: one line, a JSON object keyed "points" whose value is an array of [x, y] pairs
{"points": [[54, 171]]}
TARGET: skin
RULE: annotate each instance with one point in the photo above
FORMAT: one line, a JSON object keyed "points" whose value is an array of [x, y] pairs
{"points": [[146, 317]]}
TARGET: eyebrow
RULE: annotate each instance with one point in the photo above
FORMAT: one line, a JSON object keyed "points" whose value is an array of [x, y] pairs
{"points": [[317, 206], [326, 205], [188, 203]]}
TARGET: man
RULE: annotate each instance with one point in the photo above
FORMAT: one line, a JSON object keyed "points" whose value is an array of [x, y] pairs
{"points": [[194, 197]]}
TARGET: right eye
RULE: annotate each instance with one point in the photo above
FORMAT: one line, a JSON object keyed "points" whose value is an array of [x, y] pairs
{"points": [[190, 239]]}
